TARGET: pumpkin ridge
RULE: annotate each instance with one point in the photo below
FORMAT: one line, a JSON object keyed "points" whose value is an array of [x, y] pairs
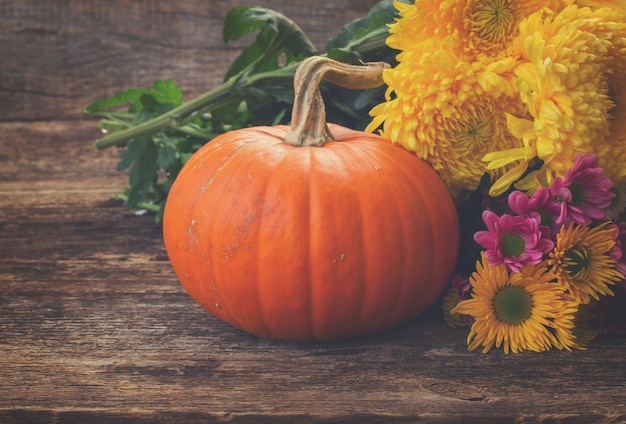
{"points": [[224, 304], [394, 202], [423, 198], [431, 203], [263, 324], [277, 198], [356, 154], [370, 296], [234, 163], [417, 188], [191, 214], [347, 249], [369, 174], [365, 276], [398, 201], [429, 239], [311, 223], [448, 260]]}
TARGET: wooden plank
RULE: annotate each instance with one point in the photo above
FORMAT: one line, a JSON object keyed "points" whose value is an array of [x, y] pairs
{"points": [[57, 57], [115, 337], [44, 151], [94, 327]]}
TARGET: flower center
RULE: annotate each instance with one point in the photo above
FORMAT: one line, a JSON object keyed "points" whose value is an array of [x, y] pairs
{"points": [[512, 244], [513, 305], [578, 194], [576, 262], [493, 20], [475, 133]]}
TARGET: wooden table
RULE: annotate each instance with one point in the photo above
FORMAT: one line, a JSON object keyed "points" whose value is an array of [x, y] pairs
{"points": [[94, 326]]}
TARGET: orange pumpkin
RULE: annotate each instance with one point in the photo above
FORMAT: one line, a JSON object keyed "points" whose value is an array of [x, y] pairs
{"points": [[334, 238]]}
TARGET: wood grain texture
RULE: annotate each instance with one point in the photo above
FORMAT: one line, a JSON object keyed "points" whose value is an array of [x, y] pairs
{"points": [[58, 56], [95, 328]]}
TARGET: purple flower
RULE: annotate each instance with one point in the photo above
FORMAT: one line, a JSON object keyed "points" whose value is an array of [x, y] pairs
{"points": [[462, 286], [513, 240], [463, 290], [540, 202], [584, 193]]}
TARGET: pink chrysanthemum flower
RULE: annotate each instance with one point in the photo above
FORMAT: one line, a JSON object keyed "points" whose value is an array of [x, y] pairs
{"points": [[513, 240], [462, 286], [584, 193], [540, 202]]}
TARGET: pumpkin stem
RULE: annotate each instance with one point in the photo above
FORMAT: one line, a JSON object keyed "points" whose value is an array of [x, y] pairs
{"points": [[308, 119]]}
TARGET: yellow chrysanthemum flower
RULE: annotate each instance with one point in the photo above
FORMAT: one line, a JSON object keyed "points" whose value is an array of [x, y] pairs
{"points": [[453, 87], [617, 5], [581, 261], [448, 302], [569, 78], [612, 149], [584, 330], [518, 310], [469, 28], [450, 112]]}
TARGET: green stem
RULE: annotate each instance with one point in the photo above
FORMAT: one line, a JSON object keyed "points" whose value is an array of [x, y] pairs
{"points": [[188, 130], [216, 98], [223, 95], [113, 115], [170, 119]]}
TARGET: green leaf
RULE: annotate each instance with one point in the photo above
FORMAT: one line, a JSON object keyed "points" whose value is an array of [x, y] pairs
{"points": [[278, 36], [151, 107], [168, 156], [141, 156], [160, 132], [131, 95], [360, 40], [163, 92], [167, 92], [364, 39], [358, 30]]}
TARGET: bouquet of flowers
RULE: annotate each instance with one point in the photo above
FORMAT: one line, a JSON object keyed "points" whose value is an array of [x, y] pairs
{"points": [[520, 105]]}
